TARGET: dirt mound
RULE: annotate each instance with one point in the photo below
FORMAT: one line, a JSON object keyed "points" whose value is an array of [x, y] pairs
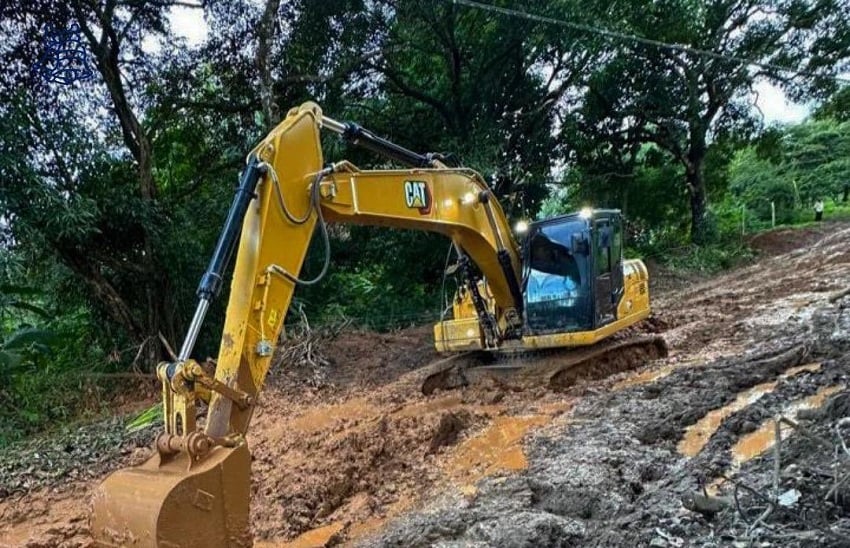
{"points": [[332, 460], [371, 450], [783, 240]]}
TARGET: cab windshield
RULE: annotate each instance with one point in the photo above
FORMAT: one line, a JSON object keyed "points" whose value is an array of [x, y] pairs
{"points": [[557, 285]]}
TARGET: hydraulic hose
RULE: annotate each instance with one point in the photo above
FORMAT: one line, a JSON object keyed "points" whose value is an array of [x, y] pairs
{"points": [[315, 204]]}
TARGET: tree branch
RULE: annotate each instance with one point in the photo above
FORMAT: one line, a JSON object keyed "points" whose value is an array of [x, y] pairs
{"points": [[421, 96]]}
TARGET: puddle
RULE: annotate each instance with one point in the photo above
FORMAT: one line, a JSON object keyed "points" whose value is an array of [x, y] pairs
{"points": [[496, 449], [698, 434], [645, 377], [761, 440], [756, 443], [314, 538]]}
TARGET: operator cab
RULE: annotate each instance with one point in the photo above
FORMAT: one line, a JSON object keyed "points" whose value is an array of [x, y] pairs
{"points": [[573, 272]]}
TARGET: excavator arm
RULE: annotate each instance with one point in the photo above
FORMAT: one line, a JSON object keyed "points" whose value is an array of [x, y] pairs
{"points": [[194, 491]]}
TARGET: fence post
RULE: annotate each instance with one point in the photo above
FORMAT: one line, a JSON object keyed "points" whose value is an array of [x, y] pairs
{"points": [[772, 215], [797, 201], [743, 219]]}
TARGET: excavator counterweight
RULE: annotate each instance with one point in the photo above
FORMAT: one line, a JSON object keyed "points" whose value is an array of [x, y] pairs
{"points": [[562, 285]]}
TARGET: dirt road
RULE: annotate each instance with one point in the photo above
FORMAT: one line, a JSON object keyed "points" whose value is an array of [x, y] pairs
{"points": [[359, 456]]}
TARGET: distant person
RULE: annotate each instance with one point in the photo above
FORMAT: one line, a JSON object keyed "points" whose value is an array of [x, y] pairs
{"points": [[819, 210]]}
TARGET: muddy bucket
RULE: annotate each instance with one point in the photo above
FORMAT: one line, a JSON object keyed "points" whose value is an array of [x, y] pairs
{"points": [[167, 504]]}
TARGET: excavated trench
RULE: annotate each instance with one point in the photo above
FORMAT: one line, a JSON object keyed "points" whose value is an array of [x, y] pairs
{"points": [[354, 454]]}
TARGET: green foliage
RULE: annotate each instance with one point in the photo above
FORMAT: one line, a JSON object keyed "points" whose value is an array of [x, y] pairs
{"points": [[807, 162], [559, 202], [147, 418], [708, 259], [837, 107], [817, 158], [647, 190], [45, 366], [681, 102], [757, 183], [21, 347], [394, 281]]}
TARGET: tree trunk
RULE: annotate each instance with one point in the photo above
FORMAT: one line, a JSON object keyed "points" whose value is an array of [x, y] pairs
{"points": [[695, 181], [113, 303], [158, 318], [265, 36], [700, 231]]}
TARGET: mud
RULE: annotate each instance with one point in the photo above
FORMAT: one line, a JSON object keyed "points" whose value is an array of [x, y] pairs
{"points": [[613, 475], [785, 240], [354, 454]]}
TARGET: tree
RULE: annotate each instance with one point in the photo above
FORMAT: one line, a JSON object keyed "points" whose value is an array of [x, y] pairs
{"points": [[816, 158], [111, 202], [681, 99], [487, 88], [836, 106], [807, 162], [122, 180]]}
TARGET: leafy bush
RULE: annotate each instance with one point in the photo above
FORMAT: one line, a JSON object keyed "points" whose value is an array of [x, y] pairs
{"points": [[708, 259], [46, 361]]}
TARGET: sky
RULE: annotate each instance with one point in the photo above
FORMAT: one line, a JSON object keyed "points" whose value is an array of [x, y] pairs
{"points": [[775, 105], [770, 100]]}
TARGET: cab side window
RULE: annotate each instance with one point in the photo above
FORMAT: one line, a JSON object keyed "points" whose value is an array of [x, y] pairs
{"points": [[602, 249], [616, 246]]}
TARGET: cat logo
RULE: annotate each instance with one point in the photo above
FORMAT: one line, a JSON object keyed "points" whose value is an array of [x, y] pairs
{"points": [[417, 195]]}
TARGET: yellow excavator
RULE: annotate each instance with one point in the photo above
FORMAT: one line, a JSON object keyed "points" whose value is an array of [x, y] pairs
{"points": [[564, 286]]}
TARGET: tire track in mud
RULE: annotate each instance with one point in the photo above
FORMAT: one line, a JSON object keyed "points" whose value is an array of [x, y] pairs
{"points": [[615, 475]]}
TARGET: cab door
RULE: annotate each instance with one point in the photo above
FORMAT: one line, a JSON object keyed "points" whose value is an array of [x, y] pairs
{"points": [[605, 264]]}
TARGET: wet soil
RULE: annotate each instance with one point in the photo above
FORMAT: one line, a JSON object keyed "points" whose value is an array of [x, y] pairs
{"points": [[614, 471], [783, 240], [354, 454]]}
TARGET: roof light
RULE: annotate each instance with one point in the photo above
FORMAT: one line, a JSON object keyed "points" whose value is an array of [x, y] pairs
{"points": [[585, 213]]}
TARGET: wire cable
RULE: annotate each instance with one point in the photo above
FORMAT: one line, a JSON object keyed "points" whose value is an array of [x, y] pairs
{"points": [[625, 37]]}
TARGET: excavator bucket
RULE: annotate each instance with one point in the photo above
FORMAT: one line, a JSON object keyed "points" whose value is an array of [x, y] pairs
{"points": [[167, 503]]}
